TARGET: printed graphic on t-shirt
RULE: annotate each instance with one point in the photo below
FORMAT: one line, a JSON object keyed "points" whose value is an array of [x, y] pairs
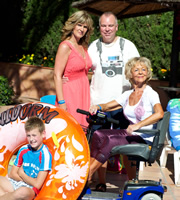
{"points": [[112, 66], [30, 168]]}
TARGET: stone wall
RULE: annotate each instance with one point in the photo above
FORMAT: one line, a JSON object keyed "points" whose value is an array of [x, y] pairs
{"points": [[29, 80], [35, 81]]}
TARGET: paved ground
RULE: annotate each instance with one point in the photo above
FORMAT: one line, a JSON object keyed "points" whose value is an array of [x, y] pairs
{"points": [[154, 172]]}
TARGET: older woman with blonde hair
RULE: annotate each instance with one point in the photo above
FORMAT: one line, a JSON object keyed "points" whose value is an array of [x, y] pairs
{"points": [[73, 62], [141, 106]]}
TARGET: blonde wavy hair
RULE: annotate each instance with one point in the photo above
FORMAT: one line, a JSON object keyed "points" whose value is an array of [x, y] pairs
{"points": [[81, 17], [143, 61]]}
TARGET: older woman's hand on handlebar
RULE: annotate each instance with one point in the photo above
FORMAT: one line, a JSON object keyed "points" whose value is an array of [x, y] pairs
{"points": [[93, 109]]}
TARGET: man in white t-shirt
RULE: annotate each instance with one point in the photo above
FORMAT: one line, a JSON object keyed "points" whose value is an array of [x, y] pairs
{"points": [[109, 55]]}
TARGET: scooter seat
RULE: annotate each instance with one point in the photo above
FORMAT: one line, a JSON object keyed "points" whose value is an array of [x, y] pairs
{"points": [[140, 151]]}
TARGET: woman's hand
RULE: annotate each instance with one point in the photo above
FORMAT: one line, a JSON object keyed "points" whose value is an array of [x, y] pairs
{"points": [[63, 106], [93, 109], [131, 128]]}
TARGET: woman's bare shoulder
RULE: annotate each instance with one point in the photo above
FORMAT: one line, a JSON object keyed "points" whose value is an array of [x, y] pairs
{"points": [[64, 46]]}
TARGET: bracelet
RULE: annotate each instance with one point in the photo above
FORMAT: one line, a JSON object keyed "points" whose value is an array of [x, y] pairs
{"points": [[61, 102], [100, 108]]}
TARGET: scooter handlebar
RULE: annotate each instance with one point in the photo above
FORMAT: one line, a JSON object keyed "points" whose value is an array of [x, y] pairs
{"points": [[99, 114], [83, 112], [114, 121]]}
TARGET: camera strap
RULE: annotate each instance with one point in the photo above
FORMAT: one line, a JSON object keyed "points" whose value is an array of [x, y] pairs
{"points": [[99, 47]]}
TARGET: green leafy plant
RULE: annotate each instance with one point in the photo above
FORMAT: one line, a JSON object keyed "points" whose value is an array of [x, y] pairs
{"points": [[31, 59], [6, 91], [27, 59], [48, 62], [163, 74], [152, 35]]}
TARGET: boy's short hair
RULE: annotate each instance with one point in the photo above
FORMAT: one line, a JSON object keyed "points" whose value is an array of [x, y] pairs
{"points": [[34, 122]]}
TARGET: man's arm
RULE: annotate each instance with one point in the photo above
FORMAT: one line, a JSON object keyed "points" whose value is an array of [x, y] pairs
{"points": [[35, 182]]}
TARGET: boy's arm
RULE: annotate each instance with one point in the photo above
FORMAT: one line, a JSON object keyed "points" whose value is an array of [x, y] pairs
{"points": [[35, 182], [14, 173]]}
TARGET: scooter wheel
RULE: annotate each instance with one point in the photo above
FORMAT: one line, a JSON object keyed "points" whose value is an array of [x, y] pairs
{"points": [[151, 196]]}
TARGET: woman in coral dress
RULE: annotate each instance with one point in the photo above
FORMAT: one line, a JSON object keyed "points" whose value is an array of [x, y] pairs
{"points": [[73, 62]]}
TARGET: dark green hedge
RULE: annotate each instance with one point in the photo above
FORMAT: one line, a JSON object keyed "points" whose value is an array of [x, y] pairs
{"points": [[34, 27]]}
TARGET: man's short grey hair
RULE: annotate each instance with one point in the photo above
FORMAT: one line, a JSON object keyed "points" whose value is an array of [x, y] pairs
{"points": [[107, 14]]}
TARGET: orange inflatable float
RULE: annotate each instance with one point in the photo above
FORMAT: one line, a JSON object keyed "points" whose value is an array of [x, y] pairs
{"points": [[65, 139]]}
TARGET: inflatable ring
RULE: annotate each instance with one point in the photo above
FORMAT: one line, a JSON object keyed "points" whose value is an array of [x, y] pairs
{"points": [[65, 139]]}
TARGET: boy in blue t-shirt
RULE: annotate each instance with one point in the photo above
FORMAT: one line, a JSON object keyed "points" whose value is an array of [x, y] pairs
{"points": [[31, 167]]}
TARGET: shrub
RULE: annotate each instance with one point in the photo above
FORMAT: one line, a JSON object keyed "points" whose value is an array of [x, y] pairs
{"points": [[6, 91], [152, 35], [29, 59], [38, 60]]}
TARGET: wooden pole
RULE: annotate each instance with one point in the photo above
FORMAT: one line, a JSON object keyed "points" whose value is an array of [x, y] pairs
{"points": [[175, 50]]}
